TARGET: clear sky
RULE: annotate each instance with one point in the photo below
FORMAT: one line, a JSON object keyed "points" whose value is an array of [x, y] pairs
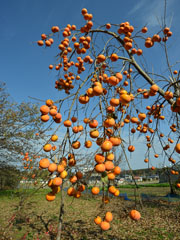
{"points": [[24, 65]]}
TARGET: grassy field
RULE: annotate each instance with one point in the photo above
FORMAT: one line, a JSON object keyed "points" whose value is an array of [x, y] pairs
{"points": [[37, 219]]}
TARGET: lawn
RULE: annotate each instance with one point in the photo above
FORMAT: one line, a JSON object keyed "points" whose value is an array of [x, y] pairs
{"points": [[37, 218]]}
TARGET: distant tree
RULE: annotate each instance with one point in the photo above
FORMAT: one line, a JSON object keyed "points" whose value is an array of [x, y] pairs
{"points": [[19, 122], [9, 178]]}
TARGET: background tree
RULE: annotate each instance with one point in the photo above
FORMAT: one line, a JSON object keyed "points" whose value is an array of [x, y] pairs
{"points": [[19, 127], [9, 177]]}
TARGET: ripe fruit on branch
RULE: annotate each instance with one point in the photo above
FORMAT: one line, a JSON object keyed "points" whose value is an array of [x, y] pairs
{"points": [[93, 123], [168, 95], [100, 168], [50, 196], [98, 220], [114, 57], [105, 225], [73, 179], [48, 43], [128, 45], [114, 102], [149, 43], [125, 98], [47, 147], [110, 156], [45, 118], [112, 189], [117, 170], [40, 42], [131, 148], [49, 102], [60, 168], [135, 215], [113, 80], [94, 133], [108, 217], [67, 123], [83, 99], [44, 109], [166, 30], [108, 25], [106, 146], [55, 29], [76, 145], [109, 122], [139, 52], [97, 91], [116, 193], [75, 129], [116, 141], [119, 76], [134, 120], [43, 36], [52, 167], [154, 88], [99, 158], [111, 176], [54, 138], [95, 190], [63, 174], [57, 181], [71, 191], [44, 163], [141, 116], [109, 165], [177, 147], [73, 119], [53, 112], [88, 144], [101, 58], [144, 29]]}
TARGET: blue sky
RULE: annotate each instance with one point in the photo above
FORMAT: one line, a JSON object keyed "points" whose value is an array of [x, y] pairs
{"points": [[24, 65]]}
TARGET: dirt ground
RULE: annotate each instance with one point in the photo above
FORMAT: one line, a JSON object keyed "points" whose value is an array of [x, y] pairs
{"points": [[38, 219]]}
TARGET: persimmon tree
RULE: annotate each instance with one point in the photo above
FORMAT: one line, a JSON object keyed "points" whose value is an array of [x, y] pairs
{"points": [[108, 100]]}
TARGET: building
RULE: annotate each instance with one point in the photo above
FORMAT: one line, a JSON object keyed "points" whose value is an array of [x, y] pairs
{"points": [[152, 178], [120, 181], [138, 178]]}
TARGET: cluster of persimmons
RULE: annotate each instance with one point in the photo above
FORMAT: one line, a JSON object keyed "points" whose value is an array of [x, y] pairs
{"points": [[111, 86], [28, 161]]}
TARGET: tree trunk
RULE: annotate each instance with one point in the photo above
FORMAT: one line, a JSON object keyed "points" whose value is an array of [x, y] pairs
{"points": [[61, 214], [172, 191]]}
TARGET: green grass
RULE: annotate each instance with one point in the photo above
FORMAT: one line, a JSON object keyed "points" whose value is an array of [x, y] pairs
{"points": [[159, 219], [144, 185], [7, 192]]}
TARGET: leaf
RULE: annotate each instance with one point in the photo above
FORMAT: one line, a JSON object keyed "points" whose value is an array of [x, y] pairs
{"points": [[104, 178], [55, 160]]}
